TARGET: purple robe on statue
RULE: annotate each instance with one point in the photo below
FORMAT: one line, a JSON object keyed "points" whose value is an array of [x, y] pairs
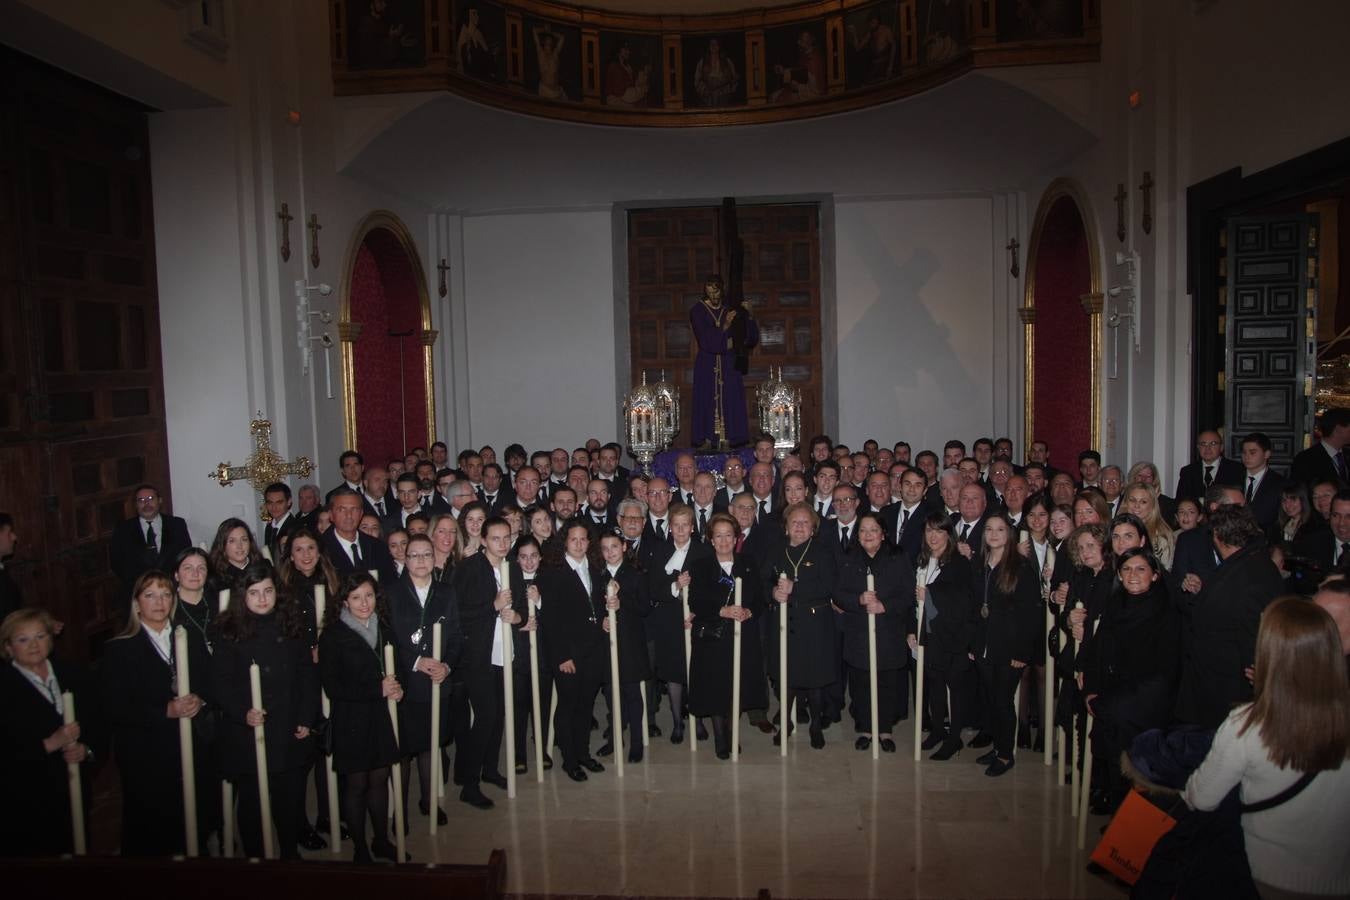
{"points": [[715, 376]]}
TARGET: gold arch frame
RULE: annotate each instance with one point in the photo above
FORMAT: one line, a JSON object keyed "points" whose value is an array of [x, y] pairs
{"points": [[349, 332], [1057, 190]]}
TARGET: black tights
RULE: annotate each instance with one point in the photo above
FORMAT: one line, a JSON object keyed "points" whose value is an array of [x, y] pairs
{"points": [[366, 793], [423, 783], [815, 704], [677, 710]]}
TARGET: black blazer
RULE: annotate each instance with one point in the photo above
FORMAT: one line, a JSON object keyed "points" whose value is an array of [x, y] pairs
{"points": [[893, 576], [1013, 626], [1265, 506], [1315, 465], [374, 556], [503, 496], [11, 598], [351, 672], [911, 538], [774, 514], [1319, 549], [722, 499], [272, 537], [649, 532], [407, 618], [634, 607], [475, 591], [974, 539], [1191, 478], [952, 632], [128, 555], [573, 617], [32, 779], [1194, 554]]}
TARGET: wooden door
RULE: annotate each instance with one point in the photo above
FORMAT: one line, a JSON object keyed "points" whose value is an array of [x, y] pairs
{"points": [[671, 252], [1271, 328], [82, 412]]}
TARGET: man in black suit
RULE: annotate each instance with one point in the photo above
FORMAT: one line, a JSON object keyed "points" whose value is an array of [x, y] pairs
{"points": [[1040, 454], [1112, 484], [353, 466], [1328, 552], [904, 520], [972, 503], [733, 476], [346, 547], [409, 496], [761, 490], [1262, 486], [877, 492], [843, 529], [598, 512], [281, 522], [11, 598], [826, 477], [376, 497], [705, 492], [1015, 496], [526, 490], [1210, 469], [496, 492], [148, 540], [310, 503], [1089, 469], [657, 528], [1194, 561], [1325, 460], [607, 468], [471, 464]]}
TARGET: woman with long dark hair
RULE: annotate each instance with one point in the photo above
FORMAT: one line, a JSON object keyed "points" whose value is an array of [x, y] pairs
{"points": [[946, 630], [232, 551]]}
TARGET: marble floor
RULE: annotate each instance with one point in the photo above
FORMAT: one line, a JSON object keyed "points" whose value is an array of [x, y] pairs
{"points": [[820, 823]]}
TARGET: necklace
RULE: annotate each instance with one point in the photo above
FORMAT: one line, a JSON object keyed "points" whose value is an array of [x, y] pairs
{"points": [[797, 563]]}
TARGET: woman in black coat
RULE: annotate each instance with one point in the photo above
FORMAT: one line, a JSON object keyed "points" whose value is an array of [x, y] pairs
{"points": [[946, 633], [35, 747], [1082, 596], [800, 578], [1129, 667], [256, 628], [417, 601], [665, 626], [634, 667], [1007, 635], [138, 678], [351, 665], [232, 552], [712, 595], [891, 600], [528, 555]]}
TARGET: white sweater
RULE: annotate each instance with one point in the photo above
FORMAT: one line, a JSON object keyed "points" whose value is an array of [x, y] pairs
{"points": [[1302, 845]]}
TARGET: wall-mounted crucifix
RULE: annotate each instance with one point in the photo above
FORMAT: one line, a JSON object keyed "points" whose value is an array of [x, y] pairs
{"points": [[1120, 198], [314, 229], [442, 267], [1146, 216], [1013, 265], [285, 217]]}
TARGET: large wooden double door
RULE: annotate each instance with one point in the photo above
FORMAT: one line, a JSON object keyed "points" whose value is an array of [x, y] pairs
{"points": [[81, 383], [671, 253]]}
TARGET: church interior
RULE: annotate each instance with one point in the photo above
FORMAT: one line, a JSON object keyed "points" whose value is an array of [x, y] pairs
{"points": [[381, 224]]}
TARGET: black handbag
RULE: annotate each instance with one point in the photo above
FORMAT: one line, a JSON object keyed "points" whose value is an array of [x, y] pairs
{"points": [[707, 633]]}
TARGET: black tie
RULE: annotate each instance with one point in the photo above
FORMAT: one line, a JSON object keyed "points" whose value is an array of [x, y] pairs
{"points": [[356, 553], [965, 531], [702, 521], [1345, 553], [379, 508], [270, 535], [150, 538], [843, 538], [481, 495], [1339, 459], [489, 499], [820, 507], [763, 510], [1209, 477], [689, 499], [1251, 487], [600, 520], [660, 530]]}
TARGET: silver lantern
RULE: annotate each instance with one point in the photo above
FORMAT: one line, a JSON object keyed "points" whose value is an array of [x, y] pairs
{"points": [[642, 415], [668, 406], [780, 413]]}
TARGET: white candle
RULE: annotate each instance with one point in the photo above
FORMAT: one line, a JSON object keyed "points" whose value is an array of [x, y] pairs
{"points": [[320, 605], [872, 672], [400, 841], [180, 648], [616, 726], [73, 778], [535, 698], [508, 687], [266, 552], [736, 678], [260, 757], [688, 659], [223, 600]]}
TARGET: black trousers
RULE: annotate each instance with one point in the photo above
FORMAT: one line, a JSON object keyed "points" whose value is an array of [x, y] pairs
{"points": [[997, 716], [892, 704], [282, 788], [525, 707], [946, 673], [576, 699], [478, 745], [630, 703]]}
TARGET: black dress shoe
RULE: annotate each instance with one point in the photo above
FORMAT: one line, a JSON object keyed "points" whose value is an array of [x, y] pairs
{"points": [[548, 762], [701, 730], [934, 739], [1038, 746], [887, 745], [998, 767], [387, 850], [522, 768], [591, 765], [475, 799], [724, 754], [1023, 737], [311, 840], [440, 814], [948, 750], [606, 749], [981, 740], [862, 743], [576, 773], [765, 726], [496, 780], [653, 730], [817, 739], [987, 758], [635, 755], [323, 826], [677, 734]]}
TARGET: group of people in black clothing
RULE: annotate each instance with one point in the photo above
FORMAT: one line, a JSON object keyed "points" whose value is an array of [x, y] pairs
{"points": [[1150, 613]]}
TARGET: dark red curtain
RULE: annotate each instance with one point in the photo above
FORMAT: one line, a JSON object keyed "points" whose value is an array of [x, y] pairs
{"points": [[1063, 364], [386, 301]]}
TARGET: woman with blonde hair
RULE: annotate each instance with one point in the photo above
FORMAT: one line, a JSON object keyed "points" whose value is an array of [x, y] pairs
{"points": [[447, 545], [1285, 753], [1147, 473], [1142, 500]]}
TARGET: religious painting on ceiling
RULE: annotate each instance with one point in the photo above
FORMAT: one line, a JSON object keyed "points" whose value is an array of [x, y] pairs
{"points": [[387, 34], [632, 70], [480, 41], [552, 60], [714, 70], [872, 52], [943, 26], [1040, 20], [796, 57]]}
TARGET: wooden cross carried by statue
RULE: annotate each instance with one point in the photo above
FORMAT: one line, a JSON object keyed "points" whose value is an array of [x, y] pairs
{"points": [[265, 465]]}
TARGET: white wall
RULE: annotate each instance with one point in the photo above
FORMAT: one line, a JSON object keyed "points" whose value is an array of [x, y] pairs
{"points": [[540, 319]]}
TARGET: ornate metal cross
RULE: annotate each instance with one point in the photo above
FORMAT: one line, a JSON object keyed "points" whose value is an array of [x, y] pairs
{"points": [[314, 229], [1146, 214], [265, 465], [1120, 199], [1013, 265], [286, 218], [442, 267]]}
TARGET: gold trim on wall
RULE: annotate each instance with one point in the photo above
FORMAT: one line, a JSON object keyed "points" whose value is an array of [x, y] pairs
{"points": [[349, 332], [1058, 189]]}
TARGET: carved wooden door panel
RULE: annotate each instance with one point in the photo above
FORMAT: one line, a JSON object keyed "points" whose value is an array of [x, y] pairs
{"points": [[82, 416], [1270, 330], [672, 251]]}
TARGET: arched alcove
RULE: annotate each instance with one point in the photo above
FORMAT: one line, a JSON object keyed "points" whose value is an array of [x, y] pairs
{"points": [[385, 326], [1062, 317]]}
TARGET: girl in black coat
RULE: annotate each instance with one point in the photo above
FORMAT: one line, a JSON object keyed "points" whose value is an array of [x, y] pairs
{"points": [[712, 601], [138, 678], [892, 602], [256, 628], [946, 632], [416, 603], [665, 625], [634, 667], [351, 665], [800, 578], [35, 746], [232, 552], [1007, 634], [528, 556]]}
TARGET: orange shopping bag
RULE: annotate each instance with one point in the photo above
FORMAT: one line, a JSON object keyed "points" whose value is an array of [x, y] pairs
{"points": [[1130, 837]]}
